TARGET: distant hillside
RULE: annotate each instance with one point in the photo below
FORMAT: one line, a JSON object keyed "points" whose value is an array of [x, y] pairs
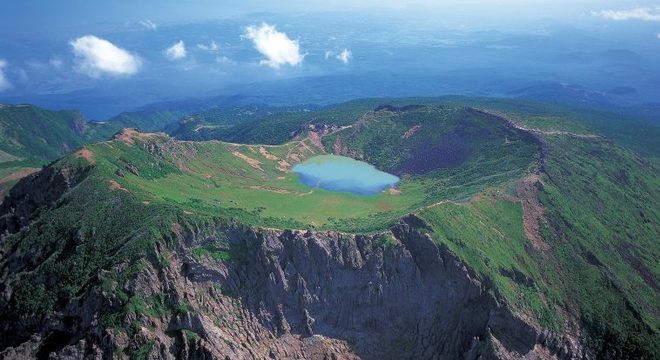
{"points": [[31, 136], [147, 120], [165, 115]]}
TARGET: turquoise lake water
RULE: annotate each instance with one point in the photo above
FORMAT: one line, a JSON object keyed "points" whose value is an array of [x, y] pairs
{"points": [[340, 173]]}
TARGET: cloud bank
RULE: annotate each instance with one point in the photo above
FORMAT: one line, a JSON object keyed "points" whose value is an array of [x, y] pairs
{"points": [[96, 57], [276, 46], [4, 83], [641, 13], [176, 51]]}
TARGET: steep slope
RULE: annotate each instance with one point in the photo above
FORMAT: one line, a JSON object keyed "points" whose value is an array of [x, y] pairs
{"points": [[146, 246], [31, 136], [592, 223]]}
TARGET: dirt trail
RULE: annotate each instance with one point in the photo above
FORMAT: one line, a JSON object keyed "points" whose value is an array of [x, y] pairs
{"points": [[315, 139], [434, 205], [528, 190]]}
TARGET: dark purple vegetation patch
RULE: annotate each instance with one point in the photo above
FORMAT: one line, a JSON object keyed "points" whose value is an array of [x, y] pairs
{"points": [[447, 151]]}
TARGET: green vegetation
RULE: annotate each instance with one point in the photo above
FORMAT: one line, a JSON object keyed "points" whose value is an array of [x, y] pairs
{"points": [[183, 307], [75, 244], [31, 137], [155, 120], [625, 130], [487, 234], [385, 240], [190, 335], [265, 125], [461, 169], [28, 132], [213, 252], [143, 352], [603, 207], [602, 255], [253, 182]]}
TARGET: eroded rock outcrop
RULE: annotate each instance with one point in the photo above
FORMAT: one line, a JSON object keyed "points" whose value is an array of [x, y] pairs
{"points": [[292, 294]]}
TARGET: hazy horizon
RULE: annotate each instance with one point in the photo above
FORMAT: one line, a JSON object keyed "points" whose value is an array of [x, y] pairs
{"points": [[110, 57]]}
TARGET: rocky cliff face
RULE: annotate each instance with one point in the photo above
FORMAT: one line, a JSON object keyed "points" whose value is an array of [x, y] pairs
{"points": [[287, 294]]}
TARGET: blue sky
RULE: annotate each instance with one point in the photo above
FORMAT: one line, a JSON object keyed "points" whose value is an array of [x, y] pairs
{"points": [[39, 14]]}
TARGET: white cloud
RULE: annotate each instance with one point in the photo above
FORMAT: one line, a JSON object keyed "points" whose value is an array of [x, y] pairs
{"points": [[640, 13], [148, 24], [176, 51], [4, 83], [275, 45], [96, 57], [56, 63], [345, 56], [212, 47]]}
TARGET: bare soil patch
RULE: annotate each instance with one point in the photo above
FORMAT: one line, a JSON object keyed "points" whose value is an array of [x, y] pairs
{"points": [[315, 139], [86, 154], [113, 185], [266, 154], [410, 132], [250, 161], [528, 190]]}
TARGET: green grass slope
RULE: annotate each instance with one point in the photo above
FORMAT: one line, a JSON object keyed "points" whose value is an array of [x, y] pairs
{"points": [[598, 229], [603, 212], [31, 137]]}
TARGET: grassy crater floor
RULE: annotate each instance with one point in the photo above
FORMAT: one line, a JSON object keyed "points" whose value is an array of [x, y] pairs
{"points": [[255, 182]]}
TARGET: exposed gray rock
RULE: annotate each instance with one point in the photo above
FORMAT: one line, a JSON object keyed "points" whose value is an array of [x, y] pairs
{"points": [[300, 295]]}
